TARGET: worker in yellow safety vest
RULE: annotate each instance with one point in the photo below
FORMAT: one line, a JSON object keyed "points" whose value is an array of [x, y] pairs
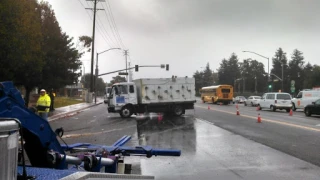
{"points": [[43, 104]]}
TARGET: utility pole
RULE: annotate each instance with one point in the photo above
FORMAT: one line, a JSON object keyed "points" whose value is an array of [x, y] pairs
{"points": [[255, 84], [130, 73], [282, 78], [93, 39], [244, 84], [95, 80], [126, 55]]}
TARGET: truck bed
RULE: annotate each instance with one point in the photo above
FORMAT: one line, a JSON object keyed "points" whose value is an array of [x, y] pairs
{"points": [[165, 90]]}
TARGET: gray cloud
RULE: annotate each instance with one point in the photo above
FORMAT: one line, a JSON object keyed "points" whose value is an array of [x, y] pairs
{"points": [[189, 33]]}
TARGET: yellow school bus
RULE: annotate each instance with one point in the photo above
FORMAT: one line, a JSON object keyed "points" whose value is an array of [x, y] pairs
{"points": [[216, 94]]}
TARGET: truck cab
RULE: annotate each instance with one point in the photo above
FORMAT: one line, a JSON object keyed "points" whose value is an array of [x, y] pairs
{"points": [[122, 98]]}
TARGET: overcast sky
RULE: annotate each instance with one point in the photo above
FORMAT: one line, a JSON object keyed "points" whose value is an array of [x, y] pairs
{"points": [[189, 33]]}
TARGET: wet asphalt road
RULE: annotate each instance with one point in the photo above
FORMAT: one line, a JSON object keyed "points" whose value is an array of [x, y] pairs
{"points": [[215, 143], [296, 135]]}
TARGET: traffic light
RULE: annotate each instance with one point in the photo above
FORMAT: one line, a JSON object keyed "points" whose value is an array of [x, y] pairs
{"points": [[136, 67], [167, 67], [270, 86]]}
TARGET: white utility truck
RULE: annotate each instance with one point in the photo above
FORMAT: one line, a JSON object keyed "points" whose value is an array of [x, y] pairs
{"points": [[165, 95], [304, 98]]}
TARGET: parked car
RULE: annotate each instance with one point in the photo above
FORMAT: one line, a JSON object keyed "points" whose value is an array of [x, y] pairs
{"points": [[276, 101], [252, 100], [239, 99], [313, 108]]}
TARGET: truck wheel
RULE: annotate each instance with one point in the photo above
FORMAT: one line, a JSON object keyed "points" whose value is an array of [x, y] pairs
{"points": [[126, 112], [178, 110]]}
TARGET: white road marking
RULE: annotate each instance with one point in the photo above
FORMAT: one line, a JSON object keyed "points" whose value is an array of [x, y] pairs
{"points": [[205, 121]]}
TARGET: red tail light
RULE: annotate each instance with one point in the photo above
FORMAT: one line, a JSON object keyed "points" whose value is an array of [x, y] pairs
{"points": [[275, 101]]}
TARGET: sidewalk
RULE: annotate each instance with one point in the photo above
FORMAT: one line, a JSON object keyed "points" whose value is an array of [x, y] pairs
{"points": [[67, 111]]}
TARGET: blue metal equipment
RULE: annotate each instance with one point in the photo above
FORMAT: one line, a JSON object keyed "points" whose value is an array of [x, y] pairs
{"points": [[44, 150]]}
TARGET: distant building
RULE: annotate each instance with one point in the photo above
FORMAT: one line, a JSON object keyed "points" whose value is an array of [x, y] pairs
{"points": [[75, 90]]}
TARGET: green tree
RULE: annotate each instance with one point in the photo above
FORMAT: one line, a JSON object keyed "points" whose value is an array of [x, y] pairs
{"points": [[278, 60], [84, 44], [85, 80], [254, 74], [20, 43], [229, 70], [296, 72], [118, 79], [60, 56], [308, 81], [199, 81], [315, 76], [207, 76], [100, 85]]}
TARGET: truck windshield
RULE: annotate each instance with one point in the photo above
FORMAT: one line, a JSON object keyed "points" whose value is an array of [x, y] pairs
{"points": [[299, 95], [123, 89]]}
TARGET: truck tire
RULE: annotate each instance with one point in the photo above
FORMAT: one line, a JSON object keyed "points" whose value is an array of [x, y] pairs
{"points": [[126, 112], [178, 110]]}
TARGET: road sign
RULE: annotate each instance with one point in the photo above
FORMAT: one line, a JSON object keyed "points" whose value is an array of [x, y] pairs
{"points": [[123, 73], [292, 83], [292, 89]]}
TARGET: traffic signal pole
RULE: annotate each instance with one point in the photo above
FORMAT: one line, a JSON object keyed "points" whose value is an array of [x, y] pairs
{"points": [[136, 68]]}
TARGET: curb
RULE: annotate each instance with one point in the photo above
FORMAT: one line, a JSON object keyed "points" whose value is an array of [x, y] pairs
{"points": [[62, 115]]}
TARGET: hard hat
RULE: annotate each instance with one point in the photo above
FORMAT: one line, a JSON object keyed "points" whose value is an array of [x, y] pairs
{"points": [[42, 90]]}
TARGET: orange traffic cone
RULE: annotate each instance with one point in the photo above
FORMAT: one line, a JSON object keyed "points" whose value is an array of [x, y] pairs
{"points": [[220, 103], [238, 113], [259, 118], [290, 113], [208, 107]]}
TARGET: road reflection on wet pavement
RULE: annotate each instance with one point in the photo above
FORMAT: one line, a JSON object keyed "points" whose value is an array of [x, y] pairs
{"points": [[209, 152]]}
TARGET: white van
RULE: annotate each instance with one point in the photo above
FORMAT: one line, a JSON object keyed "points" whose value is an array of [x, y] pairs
{"points": [[276, 101], [304, 98]]}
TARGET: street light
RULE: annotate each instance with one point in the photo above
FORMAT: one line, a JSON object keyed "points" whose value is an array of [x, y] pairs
{"points": [[238, 84], [260, 56], [96, 72]]}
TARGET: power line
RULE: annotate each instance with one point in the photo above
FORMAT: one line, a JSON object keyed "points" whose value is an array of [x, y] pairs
{"points": [[110, 25], [115, 26], [98, 24], [104, 33], [109, 37], [104, 36]]}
